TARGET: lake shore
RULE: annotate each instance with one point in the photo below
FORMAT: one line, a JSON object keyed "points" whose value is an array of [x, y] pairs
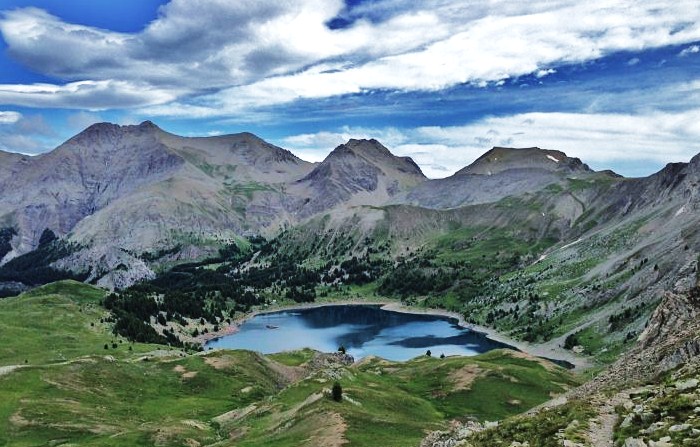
{"points": [[546, 350], [239, 320]]}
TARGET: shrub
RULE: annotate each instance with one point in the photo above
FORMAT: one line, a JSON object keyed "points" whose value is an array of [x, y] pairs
{"points": [[337, 392]]}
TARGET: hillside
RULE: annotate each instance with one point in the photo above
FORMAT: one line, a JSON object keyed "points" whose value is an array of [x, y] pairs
{"points": [[93, 387], [648, 397]]}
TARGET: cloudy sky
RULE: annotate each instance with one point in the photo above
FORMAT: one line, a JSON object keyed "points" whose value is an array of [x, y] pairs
{"points": [[616, 83]]}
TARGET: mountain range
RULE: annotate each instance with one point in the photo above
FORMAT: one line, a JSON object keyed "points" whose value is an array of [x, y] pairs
{"points": [[528, 241], [130, 201], [120, 191]]}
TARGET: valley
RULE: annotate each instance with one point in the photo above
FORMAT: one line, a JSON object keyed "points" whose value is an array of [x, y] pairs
{"points": [[112, 287]]}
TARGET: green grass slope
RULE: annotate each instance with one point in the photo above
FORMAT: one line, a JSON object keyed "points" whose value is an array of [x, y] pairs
{"points": [[55, 323], [394, 404], [71, 391]]}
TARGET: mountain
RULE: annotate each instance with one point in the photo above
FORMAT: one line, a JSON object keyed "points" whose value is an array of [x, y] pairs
{"points": [[123, 190], [360, 172], [88, 172], [501, 159], [499, 173]]}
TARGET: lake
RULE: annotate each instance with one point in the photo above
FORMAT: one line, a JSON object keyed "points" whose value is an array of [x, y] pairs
{"points": [[363, 330]]}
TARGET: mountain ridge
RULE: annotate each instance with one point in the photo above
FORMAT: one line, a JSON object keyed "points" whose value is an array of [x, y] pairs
{"points": [[118, 191], [499, 159]]}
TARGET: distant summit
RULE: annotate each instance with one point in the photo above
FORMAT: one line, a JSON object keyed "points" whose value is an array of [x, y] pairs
{"points": [[373, 152], [501, 172], [500, 159]]}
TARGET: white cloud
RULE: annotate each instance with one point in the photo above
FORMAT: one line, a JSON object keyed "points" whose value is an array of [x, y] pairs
{"points": [[487, 49], [602, 140], [261, 53], [92, 95], [24, 133], [544, 72], [690, 50], [9, 117]]}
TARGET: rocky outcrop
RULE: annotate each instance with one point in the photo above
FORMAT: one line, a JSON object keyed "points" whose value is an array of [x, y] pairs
{"points": [[663, 414], [671, 317], [455, 436], [672, 338]]}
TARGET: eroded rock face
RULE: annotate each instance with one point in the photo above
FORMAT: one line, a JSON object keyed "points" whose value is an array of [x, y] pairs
{"points": [[671, 317], [672, 338], [109, 267]]}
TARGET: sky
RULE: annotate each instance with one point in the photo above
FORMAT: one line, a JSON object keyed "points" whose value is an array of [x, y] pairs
{"points": [[615, 83]]}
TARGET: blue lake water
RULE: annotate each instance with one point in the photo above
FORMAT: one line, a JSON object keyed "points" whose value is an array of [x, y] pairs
{"points": [[363, 330]]}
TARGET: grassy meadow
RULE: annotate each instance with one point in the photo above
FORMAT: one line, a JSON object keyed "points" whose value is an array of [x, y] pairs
{"points": [[60, 386]]}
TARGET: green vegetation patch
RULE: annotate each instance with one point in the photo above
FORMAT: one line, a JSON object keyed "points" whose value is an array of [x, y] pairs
{"points": [[545, 429], [293, 358], [104, 402], [55, 323], [395, 403], [73, 390]]}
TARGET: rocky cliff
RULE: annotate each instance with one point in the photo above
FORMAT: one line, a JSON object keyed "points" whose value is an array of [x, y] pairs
{"points": [[671, 339]]}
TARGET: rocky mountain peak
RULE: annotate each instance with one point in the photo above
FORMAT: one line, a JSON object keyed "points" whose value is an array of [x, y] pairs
{"points": [[373, 152], [106, 126], [245, 146], [148, 124], [366, 147], [358, 168], [109, 134], [501, 159]]}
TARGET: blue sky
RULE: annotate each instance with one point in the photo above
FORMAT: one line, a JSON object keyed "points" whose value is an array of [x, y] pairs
{"points": [[613, 82]]}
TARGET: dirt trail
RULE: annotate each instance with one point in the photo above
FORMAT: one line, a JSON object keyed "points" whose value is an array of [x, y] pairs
{"points": [[8, 369], [601, 428], [331, 433], [288, 374]]}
